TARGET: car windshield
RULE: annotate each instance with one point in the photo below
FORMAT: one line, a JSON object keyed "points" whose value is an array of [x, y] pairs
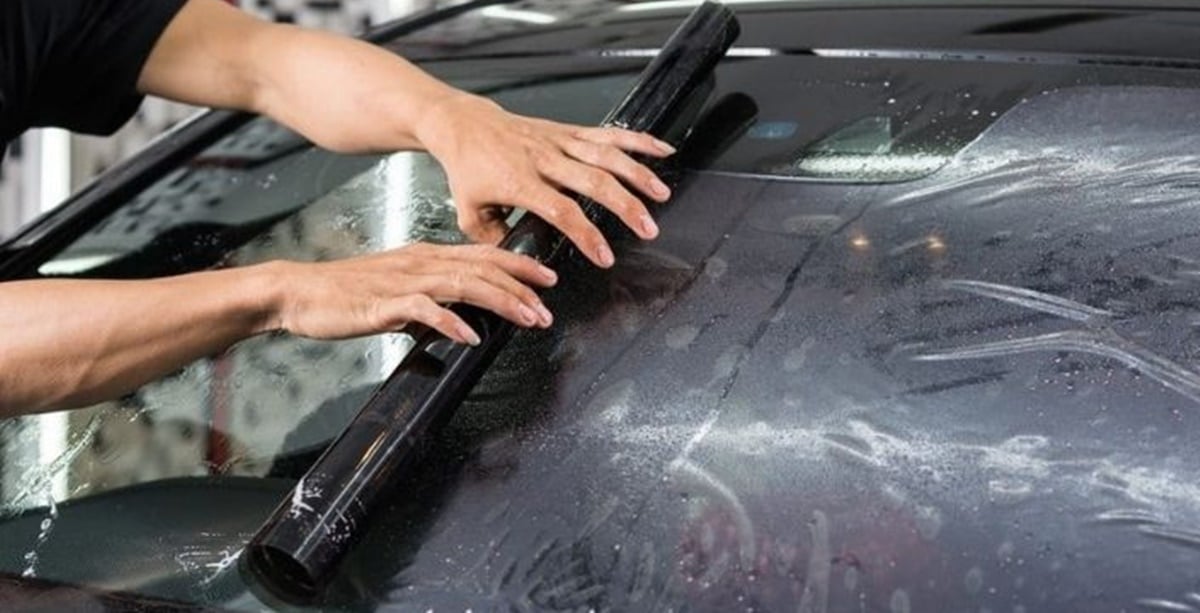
{"points": [[899, 318]]}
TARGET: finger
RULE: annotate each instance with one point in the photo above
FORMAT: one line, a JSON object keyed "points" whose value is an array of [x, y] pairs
{"points": [[565, 214], [521, 267], [470, 285], [434, 259], [502, 269], [423, 309], [502, 280], [627, 140], [481, 224], [604, 189], [617, 162]]}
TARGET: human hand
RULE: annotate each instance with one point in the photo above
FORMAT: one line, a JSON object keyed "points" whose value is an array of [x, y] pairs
{"points": [[495, 160], [382, 292]]}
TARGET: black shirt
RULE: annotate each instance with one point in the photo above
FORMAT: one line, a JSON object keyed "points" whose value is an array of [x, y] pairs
{"points": [[75, 63]]}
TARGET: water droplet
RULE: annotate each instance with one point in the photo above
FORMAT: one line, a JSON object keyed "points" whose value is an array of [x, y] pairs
{"points": [[973, 582], [683, 336], [715, 268]]}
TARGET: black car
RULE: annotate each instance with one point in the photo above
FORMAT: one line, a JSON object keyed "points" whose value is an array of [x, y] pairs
{"points": [[920, 334]]}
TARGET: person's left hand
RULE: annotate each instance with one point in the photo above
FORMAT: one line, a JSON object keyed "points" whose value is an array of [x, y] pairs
{"points": [[495, 160]]}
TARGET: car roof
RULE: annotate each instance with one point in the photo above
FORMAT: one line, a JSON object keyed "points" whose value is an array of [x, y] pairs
{"points": [[1071, 27]]}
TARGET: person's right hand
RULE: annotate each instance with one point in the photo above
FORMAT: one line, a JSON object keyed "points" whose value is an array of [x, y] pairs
{"points": [[382, 292], [495, 160]]}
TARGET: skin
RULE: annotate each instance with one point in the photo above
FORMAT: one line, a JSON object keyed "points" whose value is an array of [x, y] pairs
{"points": [[72, 343]]}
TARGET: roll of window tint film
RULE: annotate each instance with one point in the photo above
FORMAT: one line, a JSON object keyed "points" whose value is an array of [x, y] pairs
{"points": [[298, 549]]}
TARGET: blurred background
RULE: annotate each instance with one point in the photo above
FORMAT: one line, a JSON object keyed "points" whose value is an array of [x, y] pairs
{"points": [[44, 166]]}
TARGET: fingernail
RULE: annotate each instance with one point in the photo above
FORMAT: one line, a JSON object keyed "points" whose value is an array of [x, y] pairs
{"points": [[660, 189], [549, 274], [664, 147], [547, 316], [649, 228], [467, 333], [605, 256], [528, 316]]}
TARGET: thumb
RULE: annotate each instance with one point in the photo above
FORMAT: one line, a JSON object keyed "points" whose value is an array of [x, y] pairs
{"points": [[483, 225]]}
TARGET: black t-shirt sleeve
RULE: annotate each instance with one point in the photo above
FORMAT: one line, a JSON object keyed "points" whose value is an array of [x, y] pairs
{"points": [[75, 63]]}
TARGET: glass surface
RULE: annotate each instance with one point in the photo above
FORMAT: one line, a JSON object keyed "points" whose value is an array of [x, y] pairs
{"points": [[975, 391], [815, 391], [231, 414]]}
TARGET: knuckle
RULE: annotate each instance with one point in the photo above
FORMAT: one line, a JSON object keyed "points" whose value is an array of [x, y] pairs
{"points": [[614, 157], [491, 270], [643, 174], [443, 318], [424, 304], [541, 155], [596, 182], [513, 305], [594, 153], [571, 215], [612, 191], [476, 252], [555, 211], [526, 295], [468, 222], [458, 283], [611, 134], [479, 270]]}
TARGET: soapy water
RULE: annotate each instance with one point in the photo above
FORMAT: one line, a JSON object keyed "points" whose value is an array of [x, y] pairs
{"points": [[939, 477], [828, 442], [44, 529], [33, 487]]}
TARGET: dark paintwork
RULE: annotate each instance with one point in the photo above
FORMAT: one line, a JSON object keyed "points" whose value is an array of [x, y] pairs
{"points": [[971, 390]]}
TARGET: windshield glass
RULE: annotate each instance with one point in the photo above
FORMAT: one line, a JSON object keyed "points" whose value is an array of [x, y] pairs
{"points": [[658, 372]]}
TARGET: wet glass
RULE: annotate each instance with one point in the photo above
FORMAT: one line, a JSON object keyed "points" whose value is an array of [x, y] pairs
{"points": [[973, 391], [256, 197], [863, 366]]}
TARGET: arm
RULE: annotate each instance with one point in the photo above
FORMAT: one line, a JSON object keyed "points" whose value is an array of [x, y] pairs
{"points": [[53, 358], [351, 96]]}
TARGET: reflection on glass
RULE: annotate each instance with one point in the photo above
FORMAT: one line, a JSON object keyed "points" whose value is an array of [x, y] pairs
{"points": [[234, 413]]}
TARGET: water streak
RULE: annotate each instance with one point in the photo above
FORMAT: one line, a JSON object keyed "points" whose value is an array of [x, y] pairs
{"points": [[1178, 536], [820, 566], [688, 473], [1030, 299], [44, 529], [41, 479], [1129, 516], [1104, 343], [1162, 604], [299, 494]]}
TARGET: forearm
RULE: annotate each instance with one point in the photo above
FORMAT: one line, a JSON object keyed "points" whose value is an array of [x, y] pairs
{"points": [[382, 99], [342, 93], [70, 343], [350, 96]]}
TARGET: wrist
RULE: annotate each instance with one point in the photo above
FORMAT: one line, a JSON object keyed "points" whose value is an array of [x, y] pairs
{"points": [[268, 287], [439, 125]]}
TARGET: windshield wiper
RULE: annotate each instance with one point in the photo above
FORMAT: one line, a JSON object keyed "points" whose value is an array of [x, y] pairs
{"points": [[298, 549]]}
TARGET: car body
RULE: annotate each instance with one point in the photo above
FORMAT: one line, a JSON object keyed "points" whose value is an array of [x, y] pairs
{"points": [[919, 333]]}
